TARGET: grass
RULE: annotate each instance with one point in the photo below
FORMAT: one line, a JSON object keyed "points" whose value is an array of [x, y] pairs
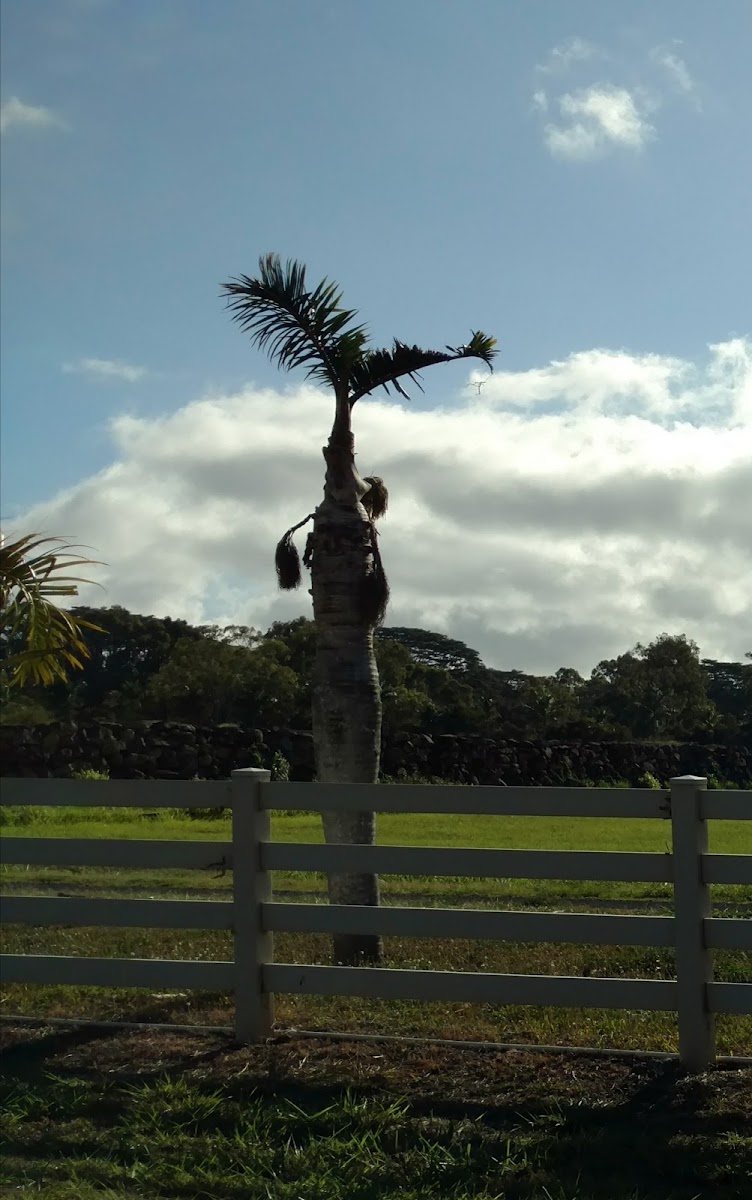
{"points": [[166, 1116], [562, 833], [132, 1115], [655, 1031]]}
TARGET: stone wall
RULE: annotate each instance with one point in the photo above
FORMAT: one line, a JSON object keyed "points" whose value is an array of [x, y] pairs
{"points": [[170, 750]]}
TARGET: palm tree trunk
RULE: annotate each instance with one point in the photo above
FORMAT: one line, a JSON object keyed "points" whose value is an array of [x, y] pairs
{"points": [[346, 696]]}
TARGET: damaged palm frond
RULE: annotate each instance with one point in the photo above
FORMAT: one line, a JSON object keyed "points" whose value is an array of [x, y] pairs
{"points": [[376, 499], [287, 559], [297, 327], [374, 592], [385, 368]]}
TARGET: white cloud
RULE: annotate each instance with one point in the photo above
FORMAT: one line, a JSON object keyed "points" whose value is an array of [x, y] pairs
{"points": [[604, 116], [676, 69], [104, 368], [564, 56], [559, 517], [13, 112], [598, 119]]}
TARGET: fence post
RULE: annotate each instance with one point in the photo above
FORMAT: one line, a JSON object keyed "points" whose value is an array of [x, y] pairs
{"points": [[694, 961], [254, 1008]]}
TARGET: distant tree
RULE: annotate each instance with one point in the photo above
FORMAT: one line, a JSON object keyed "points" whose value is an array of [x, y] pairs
{"points": [[433, 649], [406, 705], [654, 691], [569, 679], [551, 703], [299, 636], [206, 681], [456, 706], [729, 685], [125, 651], [499, 701], [729, 688]]}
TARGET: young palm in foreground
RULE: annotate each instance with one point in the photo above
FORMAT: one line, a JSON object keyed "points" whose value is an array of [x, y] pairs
{"points": [[298, 327], [39, 641]]}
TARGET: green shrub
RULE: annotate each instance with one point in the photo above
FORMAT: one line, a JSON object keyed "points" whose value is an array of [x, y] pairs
{"points": [[279, 767], [647, 780]]}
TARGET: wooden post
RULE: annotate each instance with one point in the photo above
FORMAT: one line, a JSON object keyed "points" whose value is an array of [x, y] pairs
{"points": [[254, 1009], [694, 961]]}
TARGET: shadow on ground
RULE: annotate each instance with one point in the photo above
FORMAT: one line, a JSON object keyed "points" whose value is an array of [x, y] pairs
{"points": [[451, 1122]]}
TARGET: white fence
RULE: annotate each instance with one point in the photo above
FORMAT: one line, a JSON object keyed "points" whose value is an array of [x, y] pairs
{"points": [[254, 917]]}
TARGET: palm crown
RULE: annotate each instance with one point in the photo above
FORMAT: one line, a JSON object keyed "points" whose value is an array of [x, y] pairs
{"points": [[311, 329]]}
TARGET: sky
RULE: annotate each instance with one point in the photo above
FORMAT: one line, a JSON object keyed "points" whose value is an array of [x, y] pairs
{"points": [[573, 179]]}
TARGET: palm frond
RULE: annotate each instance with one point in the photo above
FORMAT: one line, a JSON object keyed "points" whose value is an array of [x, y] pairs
{"points": [[40, 641], [480, 346], [385, 368], [297, 327]]}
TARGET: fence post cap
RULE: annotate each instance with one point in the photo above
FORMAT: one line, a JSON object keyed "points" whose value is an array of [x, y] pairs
{"points": [[260, 774], [689, 779]]}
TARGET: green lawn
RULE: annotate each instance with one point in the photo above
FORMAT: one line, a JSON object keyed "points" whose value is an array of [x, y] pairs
{"points": [[137, 1115], [561, 833], [543, 1026]]}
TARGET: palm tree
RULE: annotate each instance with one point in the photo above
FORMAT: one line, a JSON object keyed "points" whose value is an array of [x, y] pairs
{"points": [[39, 641], [298, 327]]}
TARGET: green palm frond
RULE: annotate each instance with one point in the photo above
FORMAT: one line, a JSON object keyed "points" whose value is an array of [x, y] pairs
{"points": [[297, 327], [385, 368], [40, 641]]}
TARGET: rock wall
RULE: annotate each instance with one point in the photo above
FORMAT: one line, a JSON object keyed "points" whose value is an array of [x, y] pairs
{"points": [[171, 750]]}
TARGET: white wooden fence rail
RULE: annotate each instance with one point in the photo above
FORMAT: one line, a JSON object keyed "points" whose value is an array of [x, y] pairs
{"points": [[254, 917]]}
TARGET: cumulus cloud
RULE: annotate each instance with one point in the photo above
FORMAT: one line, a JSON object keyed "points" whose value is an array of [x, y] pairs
{"points": [[599, 116], [14, 113], [105, 368], [556, 518], [596, 120]]}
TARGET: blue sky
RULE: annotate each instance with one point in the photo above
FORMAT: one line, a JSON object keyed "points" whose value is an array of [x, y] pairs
{"points": [[569, 177]]}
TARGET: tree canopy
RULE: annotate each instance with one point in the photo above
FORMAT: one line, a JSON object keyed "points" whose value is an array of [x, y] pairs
{"points": [[139, 666]]}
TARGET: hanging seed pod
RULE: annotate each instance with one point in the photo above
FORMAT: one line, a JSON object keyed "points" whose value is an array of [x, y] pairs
{"points": [[376, 499], [287, 562]]}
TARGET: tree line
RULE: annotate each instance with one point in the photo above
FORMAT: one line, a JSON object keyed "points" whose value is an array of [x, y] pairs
{"points": [[145, 667]]}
